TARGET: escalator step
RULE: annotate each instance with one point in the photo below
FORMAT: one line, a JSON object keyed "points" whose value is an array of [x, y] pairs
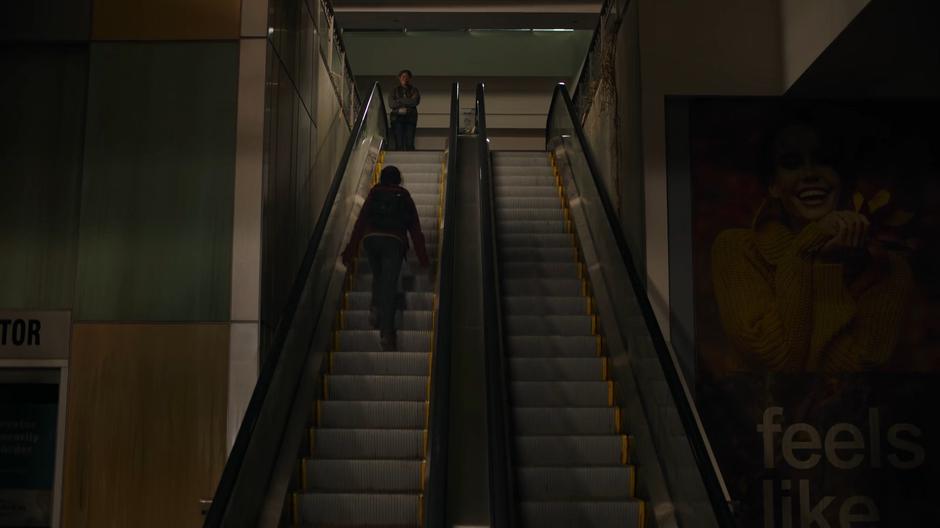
{"points": [[552, 240], [406, 282], [535, 191], [557, 369], [546, 179], [380, 363], [368, 341], [376, 388], [551, 287], [544, 305], [543, 214], [359, 509], [560, 393], [407, 320], [575, 483], [512, 255], [363, 475], [565, 270], [587, 514], [508, 226], [411, 300], [566, 325], [427, 210], [509, 202], [552, 346], [606, 450], [369, 443], [372, 415], [520, 156], [565, 420]]}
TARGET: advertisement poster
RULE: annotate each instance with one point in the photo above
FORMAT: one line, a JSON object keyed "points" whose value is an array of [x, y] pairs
{"points": [[816, 266], [28, 417]]}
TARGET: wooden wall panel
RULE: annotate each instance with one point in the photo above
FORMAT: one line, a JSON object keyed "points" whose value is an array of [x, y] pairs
{"points": [[42, 106], [166, 19], [159, 173], [145, 434]]}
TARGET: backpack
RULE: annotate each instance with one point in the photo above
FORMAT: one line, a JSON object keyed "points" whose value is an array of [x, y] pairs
{"points": [[387, 210]]}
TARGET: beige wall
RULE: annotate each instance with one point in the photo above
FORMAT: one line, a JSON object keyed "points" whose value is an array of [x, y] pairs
{"points": [[723, 47], [808, 27]]}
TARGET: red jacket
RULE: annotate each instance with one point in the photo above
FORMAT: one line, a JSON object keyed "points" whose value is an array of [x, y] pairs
{"points": [[363, 228]]}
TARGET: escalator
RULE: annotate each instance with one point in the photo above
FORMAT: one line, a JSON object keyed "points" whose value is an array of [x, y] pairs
{"points": [[571, 454], [591, 423], [339, 432], [368, 443]]}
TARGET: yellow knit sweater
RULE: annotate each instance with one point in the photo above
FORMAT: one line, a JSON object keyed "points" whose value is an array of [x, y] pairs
{"points": [[793, 312]]}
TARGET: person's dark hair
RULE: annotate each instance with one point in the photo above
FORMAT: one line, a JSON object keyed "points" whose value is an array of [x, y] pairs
{"points": [[390, 175], [406, 71], [831, 148]]}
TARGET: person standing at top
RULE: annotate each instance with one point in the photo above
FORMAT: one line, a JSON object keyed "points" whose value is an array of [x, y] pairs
{"points": [[404, 103], [387, 213]]}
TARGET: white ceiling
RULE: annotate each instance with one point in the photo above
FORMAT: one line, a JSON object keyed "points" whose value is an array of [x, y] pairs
{"points": [[465, 14]]}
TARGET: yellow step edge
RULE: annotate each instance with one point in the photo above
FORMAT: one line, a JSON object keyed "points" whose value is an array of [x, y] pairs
{"points": [[610, 393], [421, 509], [642, 514], [617, 427], [624, 449], [424, 442], [295, 508], [633, 482], [599, 345], [424, 465], [604, 368], [593, 323]]}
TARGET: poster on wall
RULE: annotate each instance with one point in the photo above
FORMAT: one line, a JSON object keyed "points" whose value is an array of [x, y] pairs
{"points": [[28, 427], [816, 266]]}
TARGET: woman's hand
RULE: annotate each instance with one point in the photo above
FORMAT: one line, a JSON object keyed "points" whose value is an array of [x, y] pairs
{"points": [[849, 232]]}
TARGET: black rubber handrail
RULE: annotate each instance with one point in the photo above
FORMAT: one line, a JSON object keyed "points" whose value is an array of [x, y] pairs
{"points": [[502, 497], [703, 461], [236, 459], [435, 514]]}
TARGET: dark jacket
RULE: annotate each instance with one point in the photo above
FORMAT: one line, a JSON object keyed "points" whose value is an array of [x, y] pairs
{"points": [[363, 228], [407, 98]]}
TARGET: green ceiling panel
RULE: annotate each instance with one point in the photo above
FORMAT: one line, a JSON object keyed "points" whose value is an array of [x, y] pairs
{"points": [[156, 218]]}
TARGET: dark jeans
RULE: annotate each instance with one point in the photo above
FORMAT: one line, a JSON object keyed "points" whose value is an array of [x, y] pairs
{"points": [[385, 255], [404, 132]]}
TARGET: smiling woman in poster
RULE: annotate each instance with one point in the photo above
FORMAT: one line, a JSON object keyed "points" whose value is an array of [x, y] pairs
{"points": [[806, 289]]}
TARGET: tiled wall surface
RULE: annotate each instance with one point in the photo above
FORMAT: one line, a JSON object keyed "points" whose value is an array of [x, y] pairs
{"points": [[162, 165]]}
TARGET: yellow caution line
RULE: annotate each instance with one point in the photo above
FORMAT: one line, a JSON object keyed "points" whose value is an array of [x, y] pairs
{"points": [[295, 508], [624, 449], [642, 514]]}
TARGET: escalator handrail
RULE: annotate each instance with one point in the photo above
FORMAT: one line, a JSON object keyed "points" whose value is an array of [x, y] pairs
{"points": [[236, 459], [502, 497], [436, 506], [711, 476]]}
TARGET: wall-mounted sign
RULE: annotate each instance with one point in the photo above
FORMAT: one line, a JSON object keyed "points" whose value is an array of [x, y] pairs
{"points": [[34, 334], [28, 431]]}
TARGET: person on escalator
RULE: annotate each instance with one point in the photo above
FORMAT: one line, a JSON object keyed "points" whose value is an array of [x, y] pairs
{"points": [[404, 115], [387, 214]]}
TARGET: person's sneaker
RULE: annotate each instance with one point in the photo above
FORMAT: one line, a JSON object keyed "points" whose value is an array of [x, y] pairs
{"points": [[374, 318], [389, 343]]}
